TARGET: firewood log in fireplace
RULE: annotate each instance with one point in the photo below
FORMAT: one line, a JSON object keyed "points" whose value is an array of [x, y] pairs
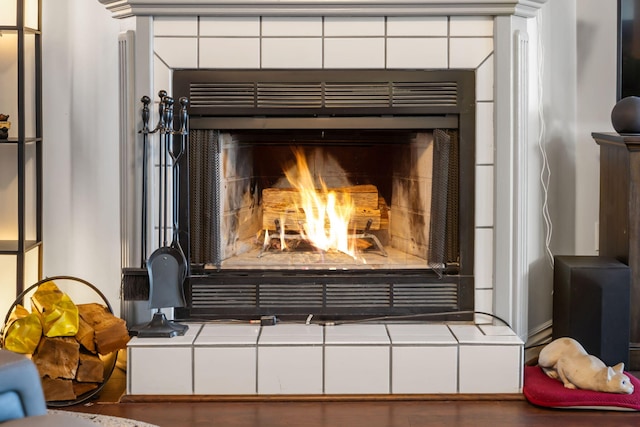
{"points": [[283, 205]]}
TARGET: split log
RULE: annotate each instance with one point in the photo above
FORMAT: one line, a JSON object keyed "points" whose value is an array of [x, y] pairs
{"points": [[364, 196], [81, 388], [111, 332], [86, 335], [56, 389], [90, 369], [57, 357], [292, 219]]}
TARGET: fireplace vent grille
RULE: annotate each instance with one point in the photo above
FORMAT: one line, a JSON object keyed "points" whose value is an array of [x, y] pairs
{"points": [[322, 95], [314, 295]]}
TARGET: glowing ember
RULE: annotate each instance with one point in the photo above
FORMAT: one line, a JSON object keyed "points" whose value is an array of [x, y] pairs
{"points": [[327, 216]]}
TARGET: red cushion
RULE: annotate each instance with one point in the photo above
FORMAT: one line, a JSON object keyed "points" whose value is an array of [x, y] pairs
{"points": [[541, 390]]}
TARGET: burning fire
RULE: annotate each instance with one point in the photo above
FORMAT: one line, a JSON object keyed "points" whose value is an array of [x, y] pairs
{"points": [[327, 214]]}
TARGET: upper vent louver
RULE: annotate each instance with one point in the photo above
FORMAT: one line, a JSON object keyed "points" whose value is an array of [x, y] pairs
{"points": [[262, 96]]}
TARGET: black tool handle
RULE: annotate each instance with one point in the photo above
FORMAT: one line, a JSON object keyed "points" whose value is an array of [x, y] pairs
{"points": [[161, 161], [145, 113], [168, 113], [184, 116], [160, 127], [168, 123]]}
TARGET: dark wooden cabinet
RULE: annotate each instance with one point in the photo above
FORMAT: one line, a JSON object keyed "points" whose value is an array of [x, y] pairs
{"points": [[620, 216]]}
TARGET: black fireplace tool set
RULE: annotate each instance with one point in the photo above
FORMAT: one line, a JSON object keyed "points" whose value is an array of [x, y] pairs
{"points": [[162, 275]]}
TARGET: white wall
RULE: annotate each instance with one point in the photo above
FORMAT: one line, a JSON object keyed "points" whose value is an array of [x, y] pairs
{"points": [[81, 158], [596, 94], [579, 41]]}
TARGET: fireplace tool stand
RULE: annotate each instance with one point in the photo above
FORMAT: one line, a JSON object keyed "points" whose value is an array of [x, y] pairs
{"points": [[167, 265]]}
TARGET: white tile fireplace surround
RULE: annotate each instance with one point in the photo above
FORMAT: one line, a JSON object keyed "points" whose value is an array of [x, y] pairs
{"points": [[490, 37]]}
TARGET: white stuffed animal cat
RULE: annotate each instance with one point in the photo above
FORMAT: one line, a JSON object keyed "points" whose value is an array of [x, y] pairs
{"points": [[566, 360]]}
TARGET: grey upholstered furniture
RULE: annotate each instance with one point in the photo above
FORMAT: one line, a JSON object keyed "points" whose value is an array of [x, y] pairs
{"points": [[21, 398]]}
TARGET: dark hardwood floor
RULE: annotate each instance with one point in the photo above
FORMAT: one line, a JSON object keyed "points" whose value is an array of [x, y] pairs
{"points": [[361, 414], [380, 413]]}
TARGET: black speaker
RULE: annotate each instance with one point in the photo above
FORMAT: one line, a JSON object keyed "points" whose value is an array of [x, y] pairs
{"points": [[591, 305]]}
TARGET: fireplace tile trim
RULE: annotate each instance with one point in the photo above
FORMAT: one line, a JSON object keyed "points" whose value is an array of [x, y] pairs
{"points": [[470, 45]]}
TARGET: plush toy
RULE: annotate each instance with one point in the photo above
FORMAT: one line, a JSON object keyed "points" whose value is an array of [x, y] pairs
{"points": [[566, 360]]}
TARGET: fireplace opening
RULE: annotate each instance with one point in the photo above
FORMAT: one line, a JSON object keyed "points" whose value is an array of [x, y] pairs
{"points": [[332, 193]]}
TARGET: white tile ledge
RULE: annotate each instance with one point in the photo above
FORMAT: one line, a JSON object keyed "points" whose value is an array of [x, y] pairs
{"points": [[350, 359]]}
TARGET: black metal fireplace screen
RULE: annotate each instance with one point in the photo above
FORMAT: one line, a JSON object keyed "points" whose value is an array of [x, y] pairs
{"points": [[361, 129]]}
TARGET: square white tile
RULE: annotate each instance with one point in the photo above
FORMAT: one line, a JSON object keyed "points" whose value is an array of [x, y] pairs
{"points": [[177, 52], [185, 340], [483, 265], [175, 26], [489, 362], [294, 26], [161, 365], [471, 26], [483, 301], [357, 334], [160, 370], [242, 26], [291, 53], [484, 196], [417, 26], [474, 335], [354, 26], [224, 370], [412, 52], [490, 368], [223, 335], [424, 358], [485, 80], [357, 369], [234, 52], [484, 133], [354, 52], [497, 330], [290, 369], [357, 359], [424, 369], [162, 79], [291, 334], [421, 334], [469, 52]]}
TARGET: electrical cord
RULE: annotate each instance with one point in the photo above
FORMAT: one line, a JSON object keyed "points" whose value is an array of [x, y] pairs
{"points": [[390, 318], [545, 172]]}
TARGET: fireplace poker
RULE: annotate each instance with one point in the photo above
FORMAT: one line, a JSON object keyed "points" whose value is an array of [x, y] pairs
{"points": [[160, 128], [176, 150]]}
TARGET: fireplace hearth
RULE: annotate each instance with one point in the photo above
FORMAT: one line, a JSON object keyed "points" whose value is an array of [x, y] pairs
{"points": [[401, 143]]}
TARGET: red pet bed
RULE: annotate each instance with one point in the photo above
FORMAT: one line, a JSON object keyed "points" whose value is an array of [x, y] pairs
{"points": [[541, 390]]}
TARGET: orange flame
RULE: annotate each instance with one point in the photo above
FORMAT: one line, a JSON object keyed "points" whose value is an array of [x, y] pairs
{"points": [[327, 215]]}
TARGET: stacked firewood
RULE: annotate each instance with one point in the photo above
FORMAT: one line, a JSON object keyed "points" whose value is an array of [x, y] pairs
{"points": [[72, 345], [73, 366]]}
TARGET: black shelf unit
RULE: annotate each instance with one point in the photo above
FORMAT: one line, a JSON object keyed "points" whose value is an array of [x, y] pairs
{"points": [[24, 145]]}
